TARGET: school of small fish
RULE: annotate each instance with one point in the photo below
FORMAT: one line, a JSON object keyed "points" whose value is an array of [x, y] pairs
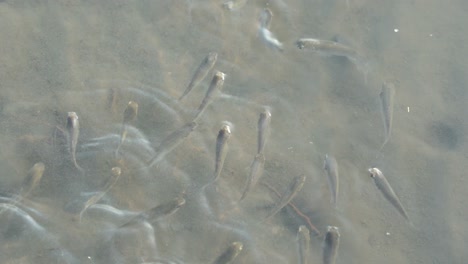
{"points": [[254, 179]]}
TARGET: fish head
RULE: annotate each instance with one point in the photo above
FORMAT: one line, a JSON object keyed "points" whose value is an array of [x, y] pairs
{"points": [[180, 201], [226, 127], [373, 172], [220, 75], [212, 56], [116, 171], [237, 246], [325, 163], [300, 44]]}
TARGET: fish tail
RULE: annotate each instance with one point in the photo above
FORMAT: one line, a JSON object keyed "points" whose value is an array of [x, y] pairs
{"points": [[80, 216], [244, 194], [78, 166], [363, 65], [384, 143]]}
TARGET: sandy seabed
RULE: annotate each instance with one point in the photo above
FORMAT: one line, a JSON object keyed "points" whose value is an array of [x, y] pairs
{"points": [[92, 57]]}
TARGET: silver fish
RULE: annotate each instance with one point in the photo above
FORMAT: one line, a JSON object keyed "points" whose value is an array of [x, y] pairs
{"points": [[73, 128], [29, 183], [32, 179], [155, 214], [270, 39], [265, 18], [387, 191], [115, 174], [201, 72], [263, 130], [130, 112], [293, 189], [303, 240], [233, 5], [172, 141], [386, 99], [326, 47], [331, 167], [111, 99], [333, 48], [221, 149], [256, 171], [230, 254], [331, 244], [215, 89]]}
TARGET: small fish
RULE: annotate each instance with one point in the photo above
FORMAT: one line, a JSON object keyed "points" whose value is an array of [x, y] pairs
{"points": [[293, 189], [333, 48], [263, 130], [270, 39], [265, 18], [30, 182], [298, 212], [386, 99], [111, 99], [201, 72], [73, 128], [326, 47], [387, 191], [32, 179], [172, 141], [230, 254], [130, 112], [303, 240], [233, 5], [256, 171], [331, 167], [221, 149], [331, 243], [155, 214], [215, 88], [115, 174]]}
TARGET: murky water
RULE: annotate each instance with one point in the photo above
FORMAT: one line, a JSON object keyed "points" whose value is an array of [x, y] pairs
{"points": [[93, 57]]}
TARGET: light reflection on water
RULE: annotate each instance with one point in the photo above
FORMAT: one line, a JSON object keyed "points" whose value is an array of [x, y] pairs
{"points": [[94, 57]]}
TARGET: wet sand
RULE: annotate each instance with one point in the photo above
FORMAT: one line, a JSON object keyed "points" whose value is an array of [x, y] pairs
{"points": [[65, 56]]}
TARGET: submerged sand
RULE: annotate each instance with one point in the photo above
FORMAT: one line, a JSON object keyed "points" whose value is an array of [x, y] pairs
{"points": [[62, 56]]}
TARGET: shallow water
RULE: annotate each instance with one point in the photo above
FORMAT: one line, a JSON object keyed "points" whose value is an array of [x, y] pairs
{"points": [[92, 57]]}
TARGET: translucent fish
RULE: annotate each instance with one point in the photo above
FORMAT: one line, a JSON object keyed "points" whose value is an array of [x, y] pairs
{"points": [[130, 113], [30, 182], [298, 212], [203, 69], [73, 129], [230, 254], [331, 167], [265, 18], [386, 99], [111, 99], [256, 171], [116, 171], [326, 47], [303, 241], [158, 212], [172, 141], [293, 189], [221, 149], [333, 48], [387, 191], [214, 90], [263, 130], [233, 5], [331, 244], [32, 179], [270, 39]]}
